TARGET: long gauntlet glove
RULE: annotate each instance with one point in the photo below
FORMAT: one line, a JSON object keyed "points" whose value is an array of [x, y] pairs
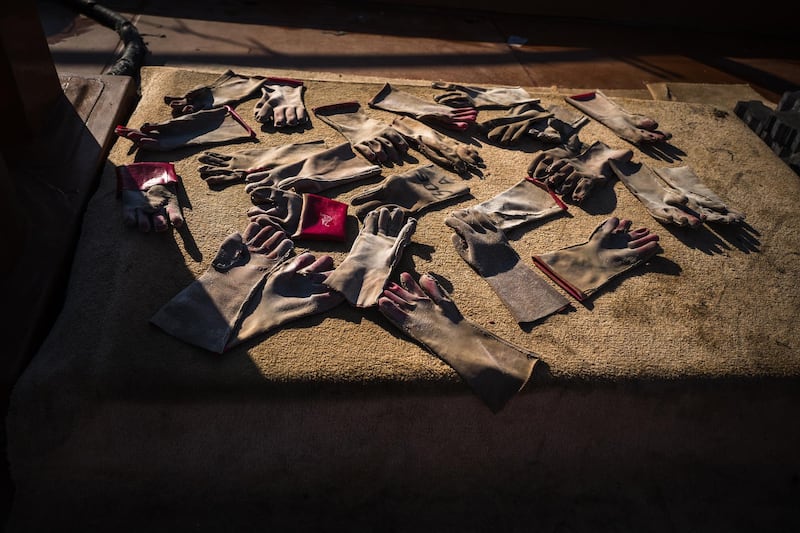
{"points": [[229, 89], [634, 128], [444, 151], [397, 101], [456, 95]]}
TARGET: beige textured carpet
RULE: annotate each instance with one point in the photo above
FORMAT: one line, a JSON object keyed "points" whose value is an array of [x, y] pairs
{"points": [[113, 409]]}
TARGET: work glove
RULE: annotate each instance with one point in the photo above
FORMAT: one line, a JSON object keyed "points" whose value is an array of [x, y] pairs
{"points": [[520, 204], [398, 101], [576, 175], [292, 291], [149, 198], [492, 367], [560, 129], [362, 275], [207, 312], [634, 128], [412, 191], [223, 169], [375, 140], [514, 125], [229, 89], [444, 151], [484, 247], [302, 216], [701, 199], [319, 171], [457, 95], [612, 249], [281, 104], [212, 126]]}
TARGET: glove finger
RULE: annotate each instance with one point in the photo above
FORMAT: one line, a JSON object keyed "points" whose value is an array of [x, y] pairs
{"points": [[582, 189], [375, 193], [143, 221], [388, 150], [214, 158], [397, 140], [366, 208], [174, 213], [514, 132], [366, 149]]}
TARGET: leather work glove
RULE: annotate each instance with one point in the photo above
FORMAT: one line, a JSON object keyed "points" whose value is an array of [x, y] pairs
{"points": [[398, 101], [492, 367], [292, 291], [319, 171], [634, 128], [223, 169], [515, 124], [229, 89], [412, 191], [281, 104], [701, 199], [612, 249], [520, 204], [376, 141], [575, 176], [302, 216], [457, 95], [207, 312], [445, 151], [362, 275], [562, 128], [485, 248], [213, 126], [149, 199]]}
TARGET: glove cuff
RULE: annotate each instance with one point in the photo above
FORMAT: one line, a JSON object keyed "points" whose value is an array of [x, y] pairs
{"points": [[322, 219], [142, 176]]}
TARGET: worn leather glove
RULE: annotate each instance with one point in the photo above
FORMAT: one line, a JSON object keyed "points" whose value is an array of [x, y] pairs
{"points": [[495, 369], [212, 126], [701, 199], [229, 89], [375, 140], [398, 101], [612, 249], [281, 104], [515, 124], [208, 311], [444, 151], [302, 216], [412, 191], [634, 128], [457, 95], [485, 248], [363, 274], [149, 198], [562, 128]]}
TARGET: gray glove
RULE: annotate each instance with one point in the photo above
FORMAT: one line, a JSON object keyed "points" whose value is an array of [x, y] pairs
{"points": [[562, 128], [303, 216], [480, 97], [637, 129], [209, 310], [701, 199], [492, 367], [485, 248], [211, 126], [229, 89], [612, 249], [149, 199], [281, 103], [412, 191], [223, 169], [376, 141], [362, 275], [444, 151], [320, 171], [512, 126], [397, 101]]}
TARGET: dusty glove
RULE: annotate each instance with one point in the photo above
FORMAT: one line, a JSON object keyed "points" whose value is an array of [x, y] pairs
{"points": [[293, 291], [149, 199], [320, 171], [375, 140], [518, 205], [207, 312], [412, 191], [637, 129], [229, 89], [701, 199], [561, 128], [444, 151], [492, 367], [302, 216], [398, 101], [515, 124], [223, 169], [575, 176], [485, 248], [212, 126], [456, 95], [612, 249], [281, 103], [363, 274]]}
